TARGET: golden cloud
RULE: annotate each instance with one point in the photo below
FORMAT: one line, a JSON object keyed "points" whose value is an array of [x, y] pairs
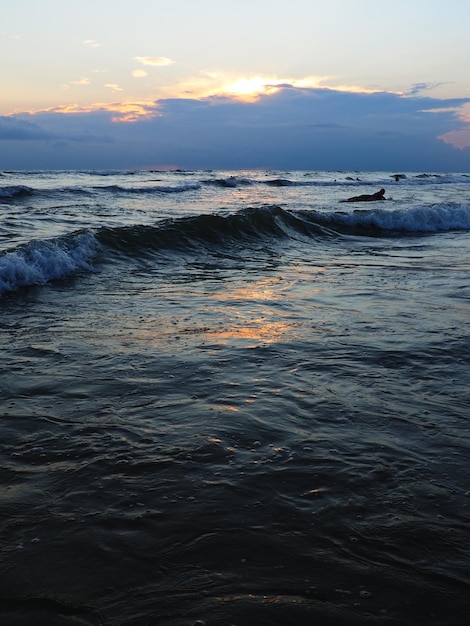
{"points": [[114, 87], [250, 88], [81, 81], [155, 61], [122, 111]]}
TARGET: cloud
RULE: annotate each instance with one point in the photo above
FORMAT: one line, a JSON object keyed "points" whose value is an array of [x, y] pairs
{"points": [[290, 128], [114, 87], [80, 82], [459, 137], [92, 43], [155, 61], [250, 88], [7, 35], [13, 129], [115, 111], [419, 88], [139, 73]]}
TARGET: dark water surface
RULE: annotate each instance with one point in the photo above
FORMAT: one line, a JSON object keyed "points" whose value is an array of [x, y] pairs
{"points": [[254, 412]]}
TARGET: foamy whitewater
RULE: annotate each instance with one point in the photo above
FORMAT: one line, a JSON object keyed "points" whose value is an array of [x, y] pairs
{"points": [[230, 398]]}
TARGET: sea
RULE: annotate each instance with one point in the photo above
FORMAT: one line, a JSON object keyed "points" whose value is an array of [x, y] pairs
{"points": [[229, 398]]}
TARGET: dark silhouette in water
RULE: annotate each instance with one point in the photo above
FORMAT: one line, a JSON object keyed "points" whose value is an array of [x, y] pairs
{"points": [[367, 197]]}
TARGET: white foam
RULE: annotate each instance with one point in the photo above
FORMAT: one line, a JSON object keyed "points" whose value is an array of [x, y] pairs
{"points": [[423, 219], [42, 261]]}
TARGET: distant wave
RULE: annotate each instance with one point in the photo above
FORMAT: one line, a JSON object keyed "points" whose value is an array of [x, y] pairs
{"points": [[173, 183], [39, 262], [229, 181], [15, 191], [280, 182], [240, 181], [421, 219], [148, 189]]}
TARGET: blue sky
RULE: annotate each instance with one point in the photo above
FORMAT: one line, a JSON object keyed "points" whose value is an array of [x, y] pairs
{"points": [[365, 85]]}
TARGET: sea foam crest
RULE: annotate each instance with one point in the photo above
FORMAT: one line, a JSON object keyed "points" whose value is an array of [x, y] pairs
{"points": [[41, 261], [148, 189], [429, 219]]}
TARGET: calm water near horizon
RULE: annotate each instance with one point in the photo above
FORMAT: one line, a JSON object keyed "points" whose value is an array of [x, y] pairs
{"points": [[229, 398]]}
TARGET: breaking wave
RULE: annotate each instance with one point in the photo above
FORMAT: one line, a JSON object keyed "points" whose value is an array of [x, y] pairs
{"points": [[411, 220], [42, 261], [39, 262]]}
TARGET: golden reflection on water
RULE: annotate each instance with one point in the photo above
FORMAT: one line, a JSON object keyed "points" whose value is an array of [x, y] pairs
{"points": [[260, 329], [265, 322], [263, 289], [257, 311]]}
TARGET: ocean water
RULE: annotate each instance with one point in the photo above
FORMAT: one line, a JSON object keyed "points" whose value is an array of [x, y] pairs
{"points": [[228, 398]]}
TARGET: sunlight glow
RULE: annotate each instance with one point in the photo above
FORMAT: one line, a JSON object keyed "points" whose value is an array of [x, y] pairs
{"points": [[250, 88], [246, 88], [124, 112], [209, 84], [359, 89]]}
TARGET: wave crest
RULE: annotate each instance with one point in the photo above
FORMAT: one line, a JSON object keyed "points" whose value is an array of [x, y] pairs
{"points": [[210, 231], [147, 189], [15, 191], [419, 220], [42, 261]]}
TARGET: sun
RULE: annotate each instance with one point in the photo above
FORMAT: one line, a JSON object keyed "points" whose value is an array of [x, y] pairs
{"points": [[251, 88]]}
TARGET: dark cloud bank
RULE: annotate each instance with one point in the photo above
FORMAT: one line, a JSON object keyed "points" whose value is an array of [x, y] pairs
{"points": [[292, 129]]}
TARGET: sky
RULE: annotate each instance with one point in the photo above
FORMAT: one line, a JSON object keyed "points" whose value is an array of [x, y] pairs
{"points": [[209, 84]]}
